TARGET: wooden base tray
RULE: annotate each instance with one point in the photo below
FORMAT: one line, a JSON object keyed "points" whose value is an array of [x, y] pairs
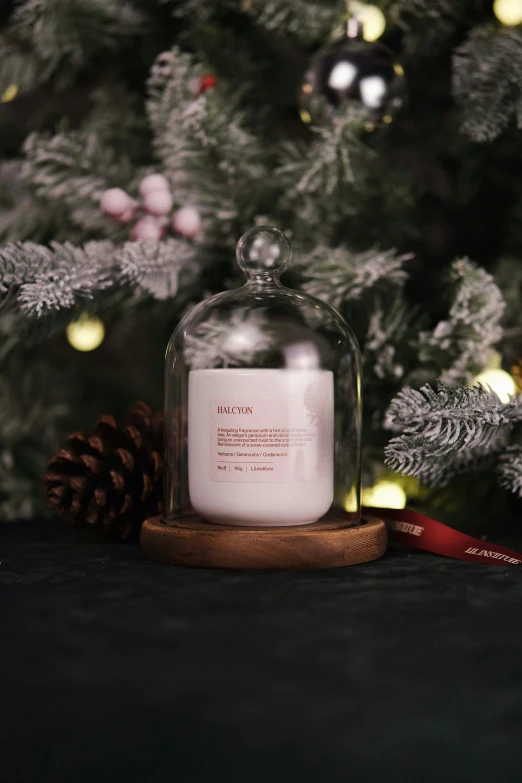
{"points": [[332, 542]]}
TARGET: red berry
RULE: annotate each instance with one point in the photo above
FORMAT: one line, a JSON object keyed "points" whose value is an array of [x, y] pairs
{"points": [[207, 82]]}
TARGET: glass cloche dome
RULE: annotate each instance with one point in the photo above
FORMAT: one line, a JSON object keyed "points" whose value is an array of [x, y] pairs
{"points": [[262, 402]]}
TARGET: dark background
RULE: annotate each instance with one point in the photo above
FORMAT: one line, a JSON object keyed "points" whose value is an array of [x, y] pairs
{"points": [[116, 668]]}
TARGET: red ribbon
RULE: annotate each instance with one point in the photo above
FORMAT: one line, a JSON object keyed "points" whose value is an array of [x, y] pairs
{"points": [[416, 530]]}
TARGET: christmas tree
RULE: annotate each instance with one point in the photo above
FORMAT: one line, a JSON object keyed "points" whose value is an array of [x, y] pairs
{"points": [[139, 140]]}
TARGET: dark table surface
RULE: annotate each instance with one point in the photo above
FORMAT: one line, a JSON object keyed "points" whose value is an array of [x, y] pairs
{"points": [[114, 668]]}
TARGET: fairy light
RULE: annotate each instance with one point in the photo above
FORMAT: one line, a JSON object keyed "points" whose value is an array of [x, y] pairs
{"points": [[9, 94], [498, 381], [372, 19], [351, 502], [508, 12], [86, 334], [384, 494]]}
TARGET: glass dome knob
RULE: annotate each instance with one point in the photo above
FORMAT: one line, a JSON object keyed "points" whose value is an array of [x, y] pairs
{"points": [[263, 252]]}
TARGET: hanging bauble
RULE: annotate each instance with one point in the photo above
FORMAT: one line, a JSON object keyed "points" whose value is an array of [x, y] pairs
{"points": [[352, 72]]}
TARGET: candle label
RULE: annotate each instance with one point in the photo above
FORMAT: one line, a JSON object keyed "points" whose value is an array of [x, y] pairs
{"points": [[267, 439]]}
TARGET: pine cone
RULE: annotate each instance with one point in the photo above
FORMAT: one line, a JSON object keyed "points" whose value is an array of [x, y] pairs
{"points": [[112, 478]]}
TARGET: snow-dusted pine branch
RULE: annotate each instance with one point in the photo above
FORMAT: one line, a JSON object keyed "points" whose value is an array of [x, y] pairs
{"points": [[45, 280], [70, 171], [389, 326], [156, 267], [457, 348], [446, 431], [428, 24], [55, 38], [57, 278], [323, 182], [22, 215], [487, 80], [207, 153], [35, 398], [339, 275], [331, 160], [509, 469], [309, 20], [231, 342]]}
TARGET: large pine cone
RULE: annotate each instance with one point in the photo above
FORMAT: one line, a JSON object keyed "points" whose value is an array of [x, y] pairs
{"points": [[112, 478]]}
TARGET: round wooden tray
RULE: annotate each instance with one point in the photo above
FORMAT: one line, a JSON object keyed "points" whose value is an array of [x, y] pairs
{"points": [[332, 542]]}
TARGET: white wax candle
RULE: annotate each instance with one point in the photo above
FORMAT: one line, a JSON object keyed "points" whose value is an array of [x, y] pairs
{"points": [[260, 445]]}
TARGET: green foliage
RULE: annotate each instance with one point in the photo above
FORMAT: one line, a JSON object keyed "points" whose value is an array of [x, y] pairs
{"points": [[33, 407], [308, 20], [210, 157], [509, 469], [447, 431], [339, 275], [457, 348], [118, 120], [38, 281], [388, 337], [325, 182], [68, 172], [56, 38], [22, 215], [60, 277], [487, 81], [158, 268], [429, 23]]}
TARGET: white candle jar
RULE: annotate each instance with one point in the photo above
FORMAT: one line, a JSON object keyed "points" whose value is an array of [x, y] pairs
{"points": [[262, 402]]}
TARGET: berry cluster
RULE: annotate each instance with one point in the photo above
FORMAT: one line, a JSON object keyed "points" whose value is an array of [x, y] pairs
{"points": [[152, 217]]}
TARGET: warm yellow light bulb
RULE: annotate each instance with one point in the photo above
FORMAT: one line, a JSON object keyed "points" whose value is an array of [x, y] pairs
{"points": [[372, 19], [498, 381], [351, 502], [384, 494], [9, 94], [508, 12], [86, 333]]}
